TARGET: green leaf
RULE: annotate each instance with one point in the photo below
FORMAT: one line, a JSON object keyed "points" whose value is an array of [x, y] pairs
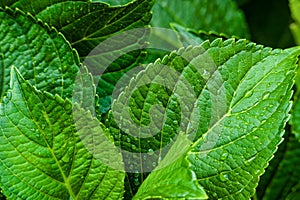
{"points": [[217, 15], [295, 27], [230, 97], [250, 131], [286, 174], [165, 181], [41, 54], [86, 24], [83, 23], [44, 156]]}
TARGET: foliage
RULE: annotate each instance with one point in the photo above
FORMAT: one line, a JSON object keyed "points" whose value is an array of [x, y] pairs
{"points": [[209, 116]]}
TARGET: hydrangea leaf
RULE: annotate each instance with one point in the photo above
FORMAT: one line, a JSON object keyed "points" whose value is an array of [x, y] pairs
{"points": [[41, 54], [71, 17], [42, 154], [86, 24], [231, 97], [295, 27], [217, 15]]}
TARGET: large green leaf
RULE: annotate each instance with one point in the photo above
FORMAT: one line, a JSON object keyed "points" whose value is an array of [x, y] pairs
{"points": [[42, 153], [295, 27], [285, 172], [231, 98], [86, 24], [214, 15], [42, 55]]}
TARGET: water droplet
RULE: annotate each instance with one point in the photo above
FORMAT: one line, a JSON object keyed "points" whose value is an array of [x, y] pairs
{"points": [[255, 137], [224, 176], [150, 152], [206, 75], [9, 95], [190, 125], [136, 182], [154, 164], [224, 156], [289, 72], [136, 174], [248, 162], [144, 157], [159, 159], [249, 94], [266, 96]]}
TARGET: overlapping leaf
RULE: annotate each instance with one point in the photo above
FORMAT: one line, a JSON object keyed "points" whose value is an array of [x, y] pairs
{"points": [[217, 15], [42, 55], [231, 98], [42, 153], [86, 24]]}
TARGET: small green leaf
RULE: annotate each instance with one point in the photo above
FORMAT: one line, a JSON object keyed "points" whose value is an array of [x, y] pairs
{"points": [[44, 156], [172, 179], [217, 15], [41, 54]]}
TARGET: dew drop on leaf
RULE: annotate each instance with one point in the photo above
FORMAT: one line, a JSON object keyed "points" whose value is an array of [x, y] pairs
{"points": [[255, 137], [248, 162], [133, 147], [224, 156], [224, 177], [9, 95], [266, 96], [249, 94], [150, 152], [154, 164], [136, 182]]}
